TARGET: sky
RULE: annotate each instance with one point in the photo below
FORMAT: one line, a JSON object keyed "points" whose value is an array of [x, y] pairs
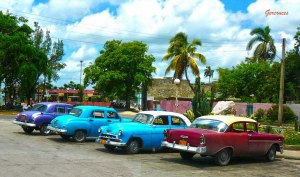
{"points": [[223, 26]]}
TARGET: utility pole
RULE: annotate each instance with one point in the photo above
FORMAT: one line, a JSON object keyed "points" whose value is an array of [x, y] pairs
{"points": [[281, 91], [80, 71]]}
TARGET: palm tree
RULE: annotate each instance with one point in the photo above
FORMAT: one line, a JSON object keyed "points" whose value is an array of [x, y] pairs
{"points": [[183, 56], [208, 72], [265, 50]]}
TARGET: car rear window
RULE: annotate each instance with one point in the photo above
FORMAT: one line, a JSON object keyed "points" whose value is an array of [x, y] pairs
{"points": [[209, 124], [39, 107]]}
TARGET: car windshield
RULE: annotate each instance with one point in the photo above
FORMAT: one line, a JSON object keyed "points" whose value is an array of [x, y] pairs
{"points": [[76, 112], [143, 118], [209, 124], [39, 107]]}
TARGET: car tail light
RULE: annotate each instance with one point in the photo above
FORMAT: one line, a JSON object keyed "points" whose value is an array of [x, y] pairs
{"points": [[202, 140]]}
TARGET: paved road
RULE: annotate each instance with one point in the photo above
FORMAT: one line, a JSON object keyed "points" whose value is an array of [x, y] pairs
{"points": [[34, 155]]}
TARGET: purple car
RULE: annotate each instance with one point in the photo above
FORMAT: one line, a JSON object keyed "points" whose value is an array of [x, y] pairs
{"points": [[40, 116]]}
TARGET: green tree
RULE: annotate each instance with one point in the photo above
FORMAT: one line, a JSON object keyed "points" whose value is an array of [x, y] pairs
{"points": [[252, 82], [208, 72], [120, 69], [20, 62], [266, 49], [53, 51], [183, 54], [292, 71]]}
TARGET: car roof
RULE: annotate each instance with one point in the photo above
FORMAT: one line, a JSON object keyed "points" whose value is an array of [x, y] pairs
{"points": [[162, 113], [95, 107], [53, 103], [228, 119]]}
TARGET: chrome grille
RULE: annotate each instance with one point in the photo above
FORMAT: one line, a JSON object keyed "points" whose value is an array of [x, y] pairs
{"points": [[108, 136]]}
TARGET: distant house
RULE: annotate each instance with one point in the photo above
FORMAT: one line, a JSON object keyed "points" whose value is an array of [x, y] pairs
{"points": [[165, 89]]}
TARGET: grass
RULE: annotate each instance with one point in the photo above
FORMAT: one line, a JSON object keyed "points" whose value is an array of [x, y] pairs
{"points": [[8, 112]]}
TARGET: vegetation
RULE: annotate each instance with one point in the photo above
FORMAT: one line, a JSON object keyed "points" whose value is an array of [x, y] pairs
{"points": [[288, 114], [120, 69], [265, 50], [24, 57], [201, 105], [252, 82], [291, 137], [208, 72], [183, 55], [190, 115]]}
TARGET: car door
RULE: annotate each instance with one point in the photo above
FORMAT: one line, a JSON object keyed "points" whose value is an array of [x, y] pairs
{"points": [[160, 123], [177, 123], [96, 119], [239, 138], [112, 117], [256, 143]]}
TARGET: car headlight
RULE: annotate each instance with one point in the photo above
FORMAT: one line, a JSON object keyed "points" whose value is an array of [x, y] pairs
{"points": [[99, 130], [120, 132]]}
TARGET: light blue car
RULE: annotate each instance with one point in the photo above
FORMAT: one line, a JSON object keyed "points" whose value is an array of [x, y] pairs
{"points": [[84, 121], [146, 131]]}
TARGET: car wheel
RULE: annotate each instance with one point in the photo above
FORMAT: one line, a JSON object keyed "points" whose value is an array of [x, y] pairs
{"points": [[44, 130], [132, 147], [109, 147], [186, 155], [80, 136], [223, 157], [271, 154], [28, 129], [65, 137]]}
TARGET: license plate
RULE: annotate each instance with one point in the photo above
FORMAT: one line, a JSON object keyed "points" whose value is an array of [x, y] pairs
{"points": [[103, 142], [182, 142], [23, 117]]}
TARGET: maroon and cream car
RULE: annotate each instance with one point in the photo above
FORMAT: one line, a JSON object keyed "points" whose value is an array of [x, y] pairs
{"points": [[223, 137]]}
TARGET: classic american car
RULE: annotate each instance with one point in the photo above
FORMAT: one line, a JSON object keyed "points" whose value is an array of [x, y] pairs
{"points": [[84, 121], [223, 137], [144, 132], [40, 116]]}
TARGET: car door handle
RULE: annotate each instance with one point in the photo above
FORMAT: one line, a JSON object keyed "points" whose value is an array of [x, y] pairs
{"points": [[108, 120], [91, 120]]}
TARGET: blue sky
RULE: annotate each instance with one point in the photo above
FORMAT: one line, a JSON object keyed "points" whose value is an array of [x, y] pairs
{"points": [[223, 27]]}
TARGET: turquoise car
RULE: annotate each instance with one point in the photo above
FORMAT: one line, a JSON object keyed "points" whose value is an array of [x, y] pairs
{"points": [[84, 121], [146, 131]]}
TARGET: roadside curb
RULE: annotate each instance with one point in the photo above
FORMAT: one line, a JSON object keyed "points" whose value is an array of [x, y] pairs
{"points": [[287, 157]]}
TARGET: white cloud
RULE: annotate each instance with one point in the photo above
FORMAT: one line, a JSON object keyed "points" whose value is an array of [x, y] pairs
{"points": [[16, 5], [224, 34]]}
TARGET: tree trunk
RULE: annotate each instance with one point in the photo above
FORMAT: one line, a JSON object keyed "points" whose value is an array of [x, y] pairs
{"points": [[186, 76], [128, 102]]}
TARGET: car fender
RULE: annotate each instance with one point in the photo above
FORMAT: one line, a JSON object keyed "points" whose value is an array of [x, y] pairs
{"points": [[43, 119], [72, 126]]}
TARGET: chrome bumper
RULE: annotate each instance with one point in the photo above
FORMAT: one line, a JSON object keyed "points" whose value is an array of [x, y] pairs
{"points": [[23, 123], [109, 142], [198, 150], [56, 129]]}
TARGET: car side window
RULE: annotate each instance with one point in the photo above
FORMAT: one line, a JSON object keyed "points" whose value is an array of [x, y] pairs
{"points": [[112, 115], [161, 120], [98, 114], [69, 109], [238, 127], [251, 127], [60, 109], [177, 121]]}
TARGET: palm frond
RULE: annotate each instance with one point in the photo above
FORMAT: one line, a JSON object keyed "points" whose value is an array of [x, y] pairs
{"points": [[252, 42], [201, 57], [193, 66], [168, 56]]}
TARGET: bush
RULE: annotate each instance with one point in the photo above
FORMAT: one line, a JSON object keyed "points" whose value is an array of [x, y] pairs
{"points": [[288, 114], [190, 115], [291, 137], [260, 114]]}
